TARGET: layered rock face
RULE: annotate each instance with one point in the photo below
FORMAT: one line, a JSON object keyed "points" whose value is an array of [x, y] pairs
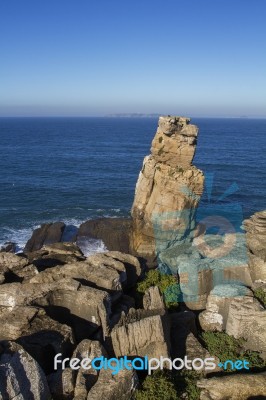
{"points": [[168, 189], [255, 228]]}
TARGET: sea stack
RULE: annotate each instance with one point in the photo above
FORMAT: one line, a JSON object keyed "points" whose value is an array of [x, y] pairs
{"points": [[168, 189]]}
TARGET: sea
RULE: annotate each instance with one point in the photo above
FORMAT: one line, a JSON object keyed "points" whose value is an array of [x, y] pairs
{"points": [[75, 169]]}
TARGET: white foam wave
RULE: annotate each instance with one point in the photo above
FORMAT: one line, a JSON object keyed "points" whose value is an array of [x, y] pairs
{"points": [[91, 246]]}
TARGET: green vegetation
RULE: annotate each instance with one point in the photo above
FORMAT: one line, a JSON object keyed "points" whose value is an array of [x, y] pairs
{"points": [[160, 386], [226, 347], [160, 139], [260, 294], [168, 385], [167, 285]]}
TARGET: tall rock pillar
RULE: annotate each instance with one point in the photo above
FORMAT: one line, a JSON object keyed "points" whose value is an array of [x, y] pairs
{"points": [[168, 189]]}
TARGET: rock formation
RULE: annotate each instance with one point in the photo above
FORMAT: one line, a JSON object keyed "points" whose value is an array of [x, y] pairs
{"points": [[168, 189], [255, 228], [234, 387]]}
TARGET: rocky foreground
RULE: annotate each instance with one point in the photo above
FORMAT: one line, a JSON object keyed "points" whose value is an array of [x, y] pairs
{"points": [[54, 300]]}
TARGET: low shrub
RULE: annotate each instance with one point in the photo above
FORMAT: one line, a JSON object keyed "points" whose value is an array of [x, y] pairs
{"points": [[260, 294], [226, 347], [167, 285]]}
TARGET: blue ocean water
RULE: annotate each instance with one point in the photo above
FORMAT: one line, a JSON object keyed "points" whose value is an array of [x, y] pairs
{"points": [[74, 169]]}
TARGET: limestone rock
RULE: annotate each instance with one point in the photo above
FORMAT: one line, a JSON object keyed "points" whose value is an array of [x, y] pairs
{"points": [[61, 384], [84, 308], [45, 235], [114, 232], [111, 271], [146, 336], [233, 387], [55, 254], [10, 265], [8, 247], [40, 336], [214, 318], [255, 228], [21, 377], [177, 138], [247, 319], [87, 378], [153, 300], [132, 265], [167, 191], [114, 387]]}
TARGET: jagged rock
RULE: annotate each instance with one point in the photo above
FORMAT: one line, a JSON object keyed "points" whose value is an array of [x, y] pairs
{"points": [[114, 387], [55, 254], [234, 387], [255, 228], [114, 232], [45, 235], [39, 335], [153, 300], [103, 271], [8, 247], [168, 189], [214, 318], [132, 265], [21, 377], [147, 336], [11, 265], [234, 309], [84, 308], [87, 378], [247, 319], [61, 384]]}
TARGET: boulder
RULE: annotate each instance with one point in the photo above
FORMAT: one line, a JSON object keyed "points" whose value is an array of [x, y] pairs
{"points": [[8, 247], [153, 300], [55, 254], [234, 387], [114, 232], [113, 387], [61, 384], [21, 377], [84, 308], [40, 336], [144, 336], [132, 266], [214, 318], [45, 235], [11, 265], [167, 191], [255, 228], [247, 319], [86, 378], [111, 271]]}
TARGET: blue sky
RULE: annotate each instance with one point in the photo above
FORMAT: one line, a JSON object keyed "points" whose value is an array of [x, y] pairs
{"points": [[190, 57]]}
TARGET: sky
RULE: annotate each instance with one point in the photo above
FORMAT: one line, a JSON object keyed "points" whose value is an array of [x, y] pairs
{"points": [[84, 57]]}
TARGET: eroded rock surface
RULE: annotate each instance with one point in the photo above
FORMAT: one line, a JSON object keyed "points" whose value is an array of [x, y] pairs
{"points": [[168, 189], [45, 235], [21, 377], [234, 387], [113, 387], [255, 228]]}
